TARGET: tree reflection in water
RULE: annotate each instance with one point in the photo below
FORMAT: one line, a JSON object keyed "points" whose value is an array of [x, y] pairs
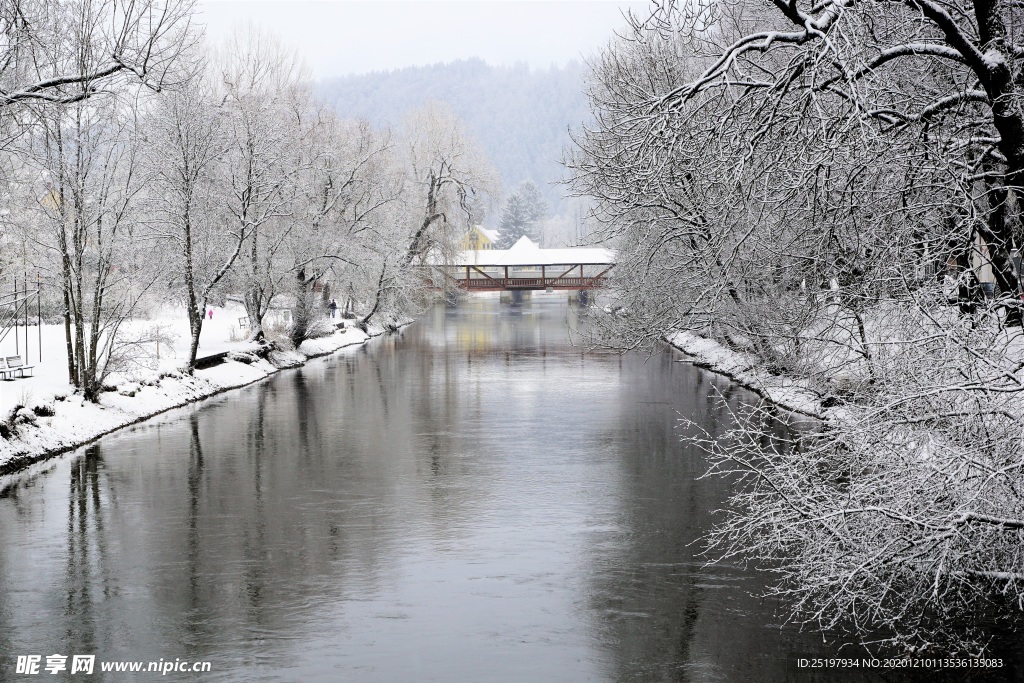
{"points": [[473, 499]]}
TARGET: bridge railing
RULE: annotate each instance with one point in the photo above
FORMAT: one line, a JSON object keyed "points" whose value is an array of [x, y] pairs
{"points": [[499, 283], [525, 277], [532, 282]]}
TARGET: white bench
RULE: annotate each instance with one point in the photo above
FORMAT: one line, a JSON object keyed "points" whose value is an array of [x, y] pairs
{"points": [[15, 365]]}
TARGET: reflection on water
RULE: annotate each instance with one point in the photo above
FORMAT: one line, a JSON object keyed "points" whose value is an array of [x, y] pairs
{"points": [[475, 499]]}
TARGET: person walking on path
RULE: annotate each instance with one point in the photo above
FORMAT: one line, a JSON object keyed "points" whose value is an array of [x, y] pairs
{"points": [[334, 307], [210, 313]]}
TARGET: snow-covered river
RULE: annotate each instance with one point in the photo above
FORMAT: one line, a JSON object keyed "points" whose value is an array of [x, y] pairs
{"points": [[473, 500]]}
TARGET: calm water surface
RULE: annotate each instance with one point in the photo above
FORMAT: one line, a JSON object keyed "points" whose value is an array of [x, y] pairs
{"points": [[475, 499]]}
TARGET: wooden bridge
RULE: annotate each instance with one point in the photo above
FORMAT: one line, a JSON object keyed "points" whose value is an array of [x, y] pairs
{"points": [[526, 267], [529, 277]]}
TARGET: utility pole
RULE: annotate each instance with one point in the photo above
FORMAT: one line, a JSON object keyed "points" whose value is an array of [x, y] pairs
{"points": [[17, 351], [39, 313], [25, 278]]}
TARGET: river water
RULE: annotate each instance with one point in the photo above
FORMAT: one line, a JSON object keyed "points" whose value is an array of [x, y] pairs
{"points": [[474, 499]]}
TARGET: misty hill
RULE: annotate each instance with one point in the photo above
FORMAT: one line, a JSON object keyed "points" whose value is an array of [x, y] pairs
{"points": [[519, 115]]}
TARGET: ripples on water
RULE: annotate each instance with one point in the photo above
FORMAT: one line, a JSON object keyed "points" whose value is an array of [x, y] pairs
{"points": [[475, 499]]}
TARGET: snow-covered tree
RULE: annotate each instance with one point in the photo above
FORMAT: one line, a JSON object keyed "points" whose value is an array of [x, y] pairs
{"points": [[265, 104], [445, 171], [64, 51], [184, 151], [797, 181], [346, 189], [87, 154]]}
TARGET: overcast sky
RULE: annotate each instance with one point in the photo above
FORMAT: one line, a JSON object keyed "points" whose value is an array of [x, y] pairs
{"points": [[339, 37]]}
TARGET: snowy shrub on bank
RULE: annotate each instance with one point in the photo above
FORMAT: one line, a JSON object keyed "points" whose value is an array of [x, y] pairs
{"points": [[285, 359], [322, 327], [43, 410], [905, 512], [243, 357]]}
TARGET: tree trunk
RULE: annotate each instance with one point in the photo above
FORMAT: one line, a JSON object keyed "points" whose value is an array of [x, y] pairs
{"points": [[254, 295], [997, 232], [196, 313], [381, 290], [418, 243]]}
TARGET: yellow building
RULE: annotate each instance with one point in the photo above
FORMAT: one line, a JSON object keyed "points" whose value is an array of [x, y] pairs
{"points": [[479, 238]]}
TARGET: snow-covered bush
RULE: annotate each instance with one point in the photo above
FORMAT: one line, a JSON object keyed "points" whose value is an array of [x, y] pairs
{"points": [[285, 359], [43, 410], [322, 327], [903, 512], [243, 357]]}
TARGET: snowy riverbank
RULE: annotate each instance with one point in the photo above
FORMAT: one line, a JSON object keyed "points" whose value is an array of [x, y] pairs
{"points": [[786, 392], [54, 421]]}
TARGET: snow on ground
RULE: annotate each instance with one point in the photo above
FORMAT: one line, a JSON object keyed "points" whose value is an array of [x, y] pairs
{"points": [[50, 375], [54, 419], [783, 391]]}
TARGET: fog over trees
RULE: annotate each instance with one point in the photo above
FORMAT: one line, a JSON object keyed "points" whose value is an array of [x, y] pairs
{"points": [[521, 116]]}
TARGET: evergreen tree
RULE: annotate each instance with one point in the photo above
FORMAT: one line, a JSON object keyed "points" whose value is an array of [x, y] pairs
{"points": [[521, 215]]}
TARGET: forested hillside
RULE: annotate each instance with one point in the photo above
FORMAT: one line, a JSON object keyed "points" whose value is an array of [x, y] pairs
{"points": [[521, 116]]}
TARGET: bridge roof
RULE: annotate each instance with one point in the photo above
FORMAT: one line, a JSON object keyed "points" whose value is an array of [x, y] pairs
{"points": [[527, 253]]}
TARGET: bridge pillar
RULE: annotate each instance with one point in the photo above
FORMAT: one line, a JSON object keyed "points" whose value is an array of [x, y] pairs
{"points": [[514, 296], [583, 297]]}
